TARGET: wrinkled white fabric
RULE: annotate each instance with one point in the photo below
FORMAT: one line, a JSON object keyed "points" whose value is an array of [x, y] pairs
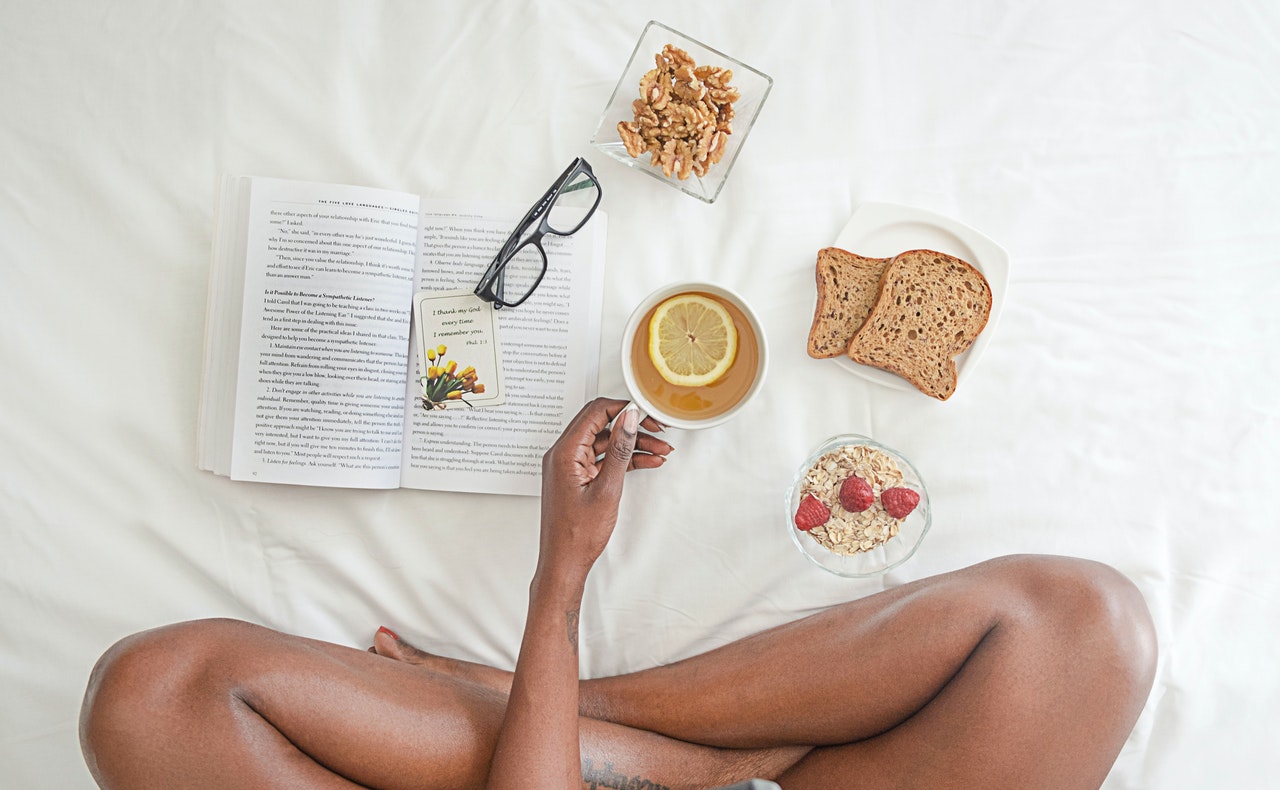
{"points": [[1126, 155]]}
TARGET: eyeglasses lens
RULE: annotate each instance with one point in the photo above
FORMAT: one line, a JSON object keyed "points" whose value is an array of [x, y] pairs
{"points": [[520, 275], [574, 204]]}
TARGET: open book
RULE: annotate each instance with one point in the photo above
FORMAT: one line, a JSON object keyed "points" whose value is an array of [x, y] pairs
{"points": [[310, 374]]}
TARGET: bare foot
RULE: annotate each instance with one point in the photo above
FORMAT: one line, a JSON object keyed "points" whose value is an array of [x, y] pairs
{"points": [[387, 643]]}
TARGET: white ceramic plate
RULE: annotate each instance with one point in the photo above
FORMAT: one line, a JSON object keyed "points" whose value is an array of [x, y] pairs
{"points": [[882, 230]]}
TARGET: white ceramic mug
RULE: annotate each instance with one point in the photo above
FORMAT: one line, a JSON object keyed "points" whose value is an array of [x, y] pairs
{"points": [[637, 324]]}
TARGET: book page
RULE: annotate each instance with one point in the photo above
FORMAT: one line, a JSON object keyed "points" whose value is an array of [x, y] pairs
{"points": [[550, 354], [325, 336]]}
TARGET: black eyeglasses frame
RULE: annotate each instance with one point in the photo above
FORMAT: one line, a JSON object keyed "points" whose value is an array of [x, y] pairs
{"points": [[491, 285]]}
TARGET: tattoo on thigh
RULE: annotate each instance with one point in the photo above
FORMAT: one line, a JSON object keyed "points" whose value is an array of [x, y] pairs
{"points": [[607, 778], [571, 628]]}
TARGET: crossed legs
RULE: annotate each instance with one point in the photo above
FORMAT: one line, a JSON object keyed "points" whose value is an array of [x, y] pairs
{"points": [[1019, 672]]}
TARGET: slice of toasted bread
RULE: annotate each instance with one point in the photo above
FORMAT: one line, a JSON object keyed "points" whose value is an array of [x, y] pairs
{"points": [[847, 288], [931, 307]]}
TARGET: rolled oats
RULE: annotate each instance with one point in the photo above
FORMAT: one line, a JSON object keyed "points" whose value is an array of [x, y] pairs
{"points": [[845, 532]]}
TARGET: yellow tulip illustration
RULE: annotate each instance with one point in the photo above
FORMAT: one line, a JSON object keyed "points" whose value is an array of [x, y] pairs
{"points": [[443, 383]]}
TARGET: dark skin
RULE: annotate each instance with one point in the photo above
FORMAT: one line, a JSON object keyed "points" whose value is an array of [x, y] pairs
{"points": [[582, 485], [1022, 671]]}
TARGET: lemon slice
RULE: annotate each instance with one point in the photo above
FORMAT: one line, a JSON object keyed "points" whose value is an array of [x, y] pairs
{"points": [[692, 340]]}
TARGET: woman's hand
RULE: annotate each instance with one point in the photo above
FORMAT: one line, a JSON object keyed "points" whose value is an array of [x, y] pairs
{"points": [[582, 483]]}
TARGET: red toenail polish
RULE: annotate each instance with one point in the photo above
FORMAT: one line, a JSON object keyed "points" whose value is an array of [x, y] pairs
{"points": [[382, 629]]}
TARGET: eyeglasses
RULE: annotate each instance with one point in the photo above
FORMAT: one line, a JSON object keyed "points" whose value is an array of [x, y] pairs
{"points": [[519, 266]]}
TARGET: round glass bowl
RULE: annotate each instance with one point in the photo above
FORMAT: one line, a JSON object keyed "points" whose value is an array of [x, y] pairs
{"points": [[881, 558]]}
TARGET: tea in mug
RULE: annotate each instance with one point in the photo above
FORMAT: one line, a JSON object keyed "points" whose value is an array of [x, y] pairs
{"points": [[705, 402]]}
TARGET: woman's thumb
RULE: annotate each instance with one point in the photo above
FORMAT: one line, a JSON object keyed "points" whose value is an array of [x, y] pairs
{"points": [[622, 441]]}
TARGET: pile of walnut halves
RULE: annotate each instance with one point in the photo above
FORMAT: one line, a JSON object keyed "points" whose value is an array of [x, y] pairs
{"points": [[683, 116]]}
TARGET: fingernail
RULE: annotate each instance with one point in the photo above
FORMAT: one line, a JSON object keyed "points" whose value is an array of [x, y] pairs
{"points": [[631, 418], [382, 629]]}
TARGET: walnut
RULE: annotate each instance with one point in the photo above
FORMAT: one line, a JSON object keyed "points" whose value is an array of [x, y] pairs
{"points": [[724, 118], [631, 139], [655, 89], [645, 115], [723, 96], [671, 58], [715, 146], [683, 116]]}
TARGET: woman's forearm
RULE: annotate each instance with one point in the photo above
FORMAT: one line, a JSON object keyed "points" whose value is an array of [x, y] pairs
{"points": [[581, 488], [538, 744]]}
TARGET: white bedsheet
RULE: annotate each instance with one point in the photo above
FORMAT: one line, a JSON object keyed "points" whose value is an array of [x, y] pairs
{"points": [[1127, 408]]}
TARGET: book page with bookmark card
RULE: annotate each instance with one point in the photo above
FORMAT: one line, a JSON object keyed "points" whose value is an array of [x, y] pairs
{"points": [[549, 349], [311, 372], [457, 336]]}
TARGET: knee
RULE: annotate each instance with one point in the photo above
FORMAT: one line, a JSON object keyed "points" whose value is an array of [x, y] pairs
{"points": [[142, 681], [1092, 607]]}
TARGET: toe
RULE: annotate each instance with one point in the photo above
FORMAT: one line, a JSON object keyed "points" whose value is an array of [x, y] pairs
{"points": [[387, 643]]}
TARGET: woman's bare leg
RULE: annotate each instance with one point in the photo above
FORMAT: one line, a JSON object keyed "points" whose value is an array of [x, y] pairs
{"points": [[224, 704], [1019, 672], [1023, 671]]}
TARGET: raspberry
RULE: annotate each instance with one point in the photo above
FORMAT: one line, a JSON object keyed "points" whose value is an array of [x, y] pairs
{"points": [[855, 495], [811, 513], [899, 502]]}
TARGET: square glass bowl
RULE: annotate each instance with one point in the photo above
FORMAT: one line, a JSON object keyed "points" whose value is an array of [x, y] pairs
{"points": [[881, 558], [753, 88]]}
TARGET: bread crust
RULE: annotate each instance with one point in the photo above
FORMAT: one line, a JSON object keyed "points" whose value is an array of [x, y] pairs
{"points": [[847, 286], [930, 308]]}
